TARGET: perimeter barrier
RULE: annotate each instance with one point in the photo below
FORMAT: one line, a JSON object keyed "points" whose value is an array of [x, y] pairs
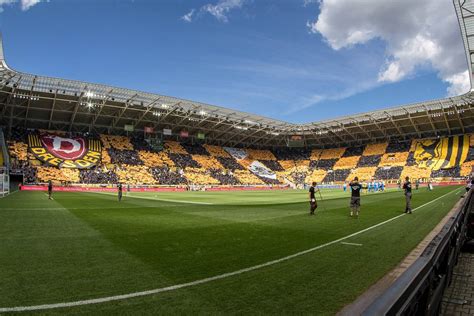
{"points": [[419, 290]]}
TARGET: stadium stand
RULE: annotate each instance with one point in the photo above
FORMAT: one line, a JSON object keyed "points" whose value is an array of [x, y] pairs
{"points": [[347, 162], [375, 149], [131, 160]]}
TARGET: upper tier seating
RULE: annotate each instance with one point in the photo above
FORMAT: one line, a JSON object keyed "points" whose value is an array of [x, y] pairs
{"points": [[207, 162], [229, 163], [259, 154], [395, 147], [316, 154], [153, 159], [184, 160], [292, 154], [393, 159], [116, 142], [347, 162], [369, 161], [216, 151], [195, 149], [18, 150], [174, 148], [375, 149], [333, 153], [353, 151], [272, 165], [129, 157], [325, 164]]}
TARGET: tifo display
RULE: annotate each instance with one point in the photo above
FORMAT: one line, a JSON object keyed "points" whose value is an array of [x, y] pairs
{"points": [[110, 159]]}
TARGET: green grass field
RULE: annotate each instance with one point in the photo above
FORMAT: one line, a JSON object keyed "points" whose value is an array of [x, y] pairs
{"points": [[83, 246]]}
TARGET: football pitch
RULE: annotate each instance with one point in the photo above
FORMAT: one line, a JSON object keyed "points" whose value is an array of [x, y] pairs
{"points": [[243, 252]]}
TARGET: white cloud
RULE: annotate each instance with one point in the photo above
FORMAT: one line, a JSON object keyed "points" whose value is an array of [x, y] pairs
{"points": [[188, 17], [24, 4], [417, 34], [219, 10]]}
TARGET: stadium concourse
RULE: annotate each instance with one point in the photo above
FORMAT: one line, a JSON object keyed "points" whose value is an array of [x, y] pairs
{"points": [[131, 160]]}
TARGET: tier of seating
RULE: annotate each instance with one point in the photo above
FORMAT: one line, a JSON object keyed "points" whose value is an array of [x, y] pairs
{"points": [[131, 160]]}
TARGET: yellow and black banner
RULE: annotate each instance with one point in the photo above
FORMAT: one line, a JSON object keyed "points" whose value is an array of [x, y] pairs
{"points": [[442, 153], [64, 152]]}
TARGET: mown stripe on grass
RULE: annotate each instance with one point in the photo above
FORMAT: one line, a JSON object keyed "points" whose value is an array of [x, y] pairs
{"points": [[206, 280], [156, 199]]}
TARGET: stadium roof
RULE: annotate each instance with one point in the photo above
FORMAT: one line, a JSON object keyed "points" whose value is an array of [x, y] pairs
{"points": [[50, 103]]}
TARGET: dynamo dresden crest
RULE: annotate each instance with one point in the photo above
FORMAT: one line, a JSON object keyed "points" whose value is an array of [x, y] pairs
{"points": [[65, 152]]}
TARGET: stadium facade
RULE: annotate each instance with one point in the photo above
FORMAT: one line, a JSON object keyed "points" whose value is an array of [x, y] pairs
{"points": [[57, 104]]}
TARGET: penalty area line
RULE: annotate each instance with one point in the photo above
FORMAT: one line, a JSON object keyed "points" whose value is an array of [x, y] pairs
{"points": [[205, 280], [350, 243]]}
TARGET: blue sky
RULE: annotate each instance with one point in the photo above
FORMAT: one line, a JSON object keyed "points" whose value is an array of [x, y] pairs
{"points": [[293, 60]]}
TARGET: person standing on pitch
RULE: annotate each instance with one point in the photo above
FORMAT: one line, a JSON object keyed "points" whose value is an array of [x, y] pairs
{"points": [[119, 188], [312, 198], [50, 190], [407, 188], [355, 197]]}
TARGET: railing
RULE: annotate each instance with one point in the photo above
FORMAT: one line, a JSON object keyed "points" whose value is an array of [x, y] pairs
{"points": [[420, 288]]}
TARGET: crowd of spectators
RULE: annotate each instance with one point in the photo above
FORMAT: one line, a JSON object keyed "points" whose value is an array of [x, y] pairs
{"points": [[447, 173], [375, 149], [388, 173], [184, 161], [337, 175], [98, 175], [129, 157], [292, 154], [398, 146], [325, 164], [353, 151], [346, 162], [272, 165], [229, 163], [225, 177], [369, 161], [165, 175]]}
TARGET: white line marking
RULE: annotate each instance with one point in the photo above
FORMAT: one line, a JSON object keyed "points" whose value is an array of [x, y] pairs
{"points": [[152, 198], [350, 243], [206, 280]]}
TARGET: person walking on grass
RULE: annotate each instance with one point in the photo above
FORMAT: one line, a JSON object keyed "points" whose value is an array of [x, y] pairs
{"points": [[50, 190], [119, 191], [355, 197], [312, 198], [407, 188]]}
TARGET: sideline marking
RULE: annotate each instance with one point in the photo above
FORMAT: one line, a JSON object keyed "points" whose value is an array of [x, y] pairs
{"points": [[152, 198], [206, 280], [350, 243]]}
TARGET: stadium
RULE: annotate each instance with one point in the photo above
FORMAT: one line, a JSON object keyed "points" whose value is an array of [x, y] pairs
{"points": [[214, 216]]}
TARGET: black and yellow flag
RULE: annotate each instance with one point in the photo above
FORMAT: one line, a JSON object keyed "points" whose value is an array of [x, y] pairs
{"points": [[442, 153]]}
